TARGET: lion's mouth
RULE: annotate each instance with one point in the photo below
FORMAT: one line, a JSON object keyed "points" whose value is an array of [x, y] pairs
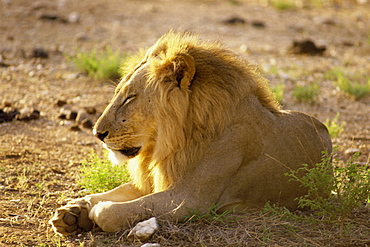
{"points": [[130, 152]]}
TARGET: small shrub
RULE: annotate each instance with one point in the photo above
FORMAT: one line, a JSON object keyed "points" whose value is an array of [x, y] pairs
{"points": [[104, 64], [98, 175], [307, 93], [347, 185], [335, 129]]}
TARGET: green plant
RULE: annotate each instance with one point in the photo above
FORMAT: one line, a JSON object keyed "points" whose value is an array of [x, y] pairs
{"points": [[307, 93], [353, 88], [278, 91], [334, 191], [211, 216], [282, 4], [103, 64], [350, 85], [98, 175], [335, 129]]}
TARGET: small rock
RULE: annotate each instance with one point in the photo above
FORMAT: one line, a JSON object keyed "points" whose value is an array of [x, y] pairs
{"points": [[352, 151], [40, 52], [28, 114], [143, 230], [81, 115], [49, 17], [71, 76], [234, 21], [81, 37], [2, 63], [74, 128], [65, 123], [62, 116], [306, 47], [91, 110], [74, 17], [61, 103], [6, 103], [151, 245], [71, 115], [86, 123], [258, 24], [11, 113], [3, 116], [35, 115]]}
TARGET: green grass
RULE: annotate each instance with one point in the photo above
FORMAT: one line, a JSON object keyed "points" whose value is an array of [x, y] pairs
{"points": [[212, 216], [99, 175], [282, 4], [307, 93], [278, 91], [334, 190], [99, 64], [334, 127], [355, 85]]}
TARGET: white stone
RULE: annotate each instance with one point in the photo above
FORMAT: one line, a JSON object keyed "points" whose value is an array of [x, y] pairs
{"points": [[144, 230], [352, 151], [151, 245]]}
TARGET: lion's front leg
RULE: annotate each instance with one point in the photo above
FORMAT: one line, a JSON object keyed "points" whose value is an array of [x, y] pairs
{"points": [[74, 218]]}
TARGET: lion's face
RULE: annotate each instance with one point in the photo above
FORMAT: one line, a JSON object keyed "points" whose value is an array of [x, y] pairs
{"points": [[127, 124], [150, 106]]}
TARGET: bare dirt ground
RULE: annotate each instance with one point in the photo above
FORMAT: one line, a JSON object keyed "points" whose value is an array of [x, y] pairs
{"points": [[40, 159]]}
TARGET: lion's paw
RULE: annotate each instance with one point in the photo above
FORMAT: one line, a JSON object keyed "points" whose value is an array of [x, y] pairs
{"points": [[72, 218]]}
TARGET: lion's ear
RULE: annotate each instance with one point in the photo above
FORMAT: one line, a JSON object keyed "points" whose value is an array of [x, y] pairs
{"points": [[184, 70]]}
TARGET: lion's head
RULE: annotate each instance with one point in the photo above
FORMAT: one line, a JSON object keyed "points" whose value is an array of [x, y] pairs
{"points": [[179, 96]]}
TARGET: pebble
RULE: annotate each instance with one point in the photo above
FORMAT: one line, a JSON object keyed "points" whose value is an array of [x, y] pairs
{"points": [[74, 17], [151, 245], [258, 24], [352, 151], [81, 37], [87, 124], [7, 114], [74, 128], [40, 52], [91, 110], [144, 230], [71, 115], [234, 21], [61, 103], [81, 115]]}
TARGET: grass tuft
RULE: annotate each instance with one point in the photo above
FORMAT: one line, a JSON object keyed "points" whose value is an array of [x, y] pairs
{"points": [[99, 175], [307, 93], [103, 64], [278, 92], [282, 4], [350, 85], [335, 129]]}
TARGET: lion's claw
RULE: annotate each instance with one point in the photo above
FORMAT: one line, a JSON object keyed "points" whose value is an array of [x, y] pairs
{"points": [[72, 219]]}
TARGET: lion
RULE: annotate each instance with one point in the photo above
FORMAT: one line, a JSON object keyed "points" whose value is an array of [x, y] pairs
{"points": [[199, 128]]}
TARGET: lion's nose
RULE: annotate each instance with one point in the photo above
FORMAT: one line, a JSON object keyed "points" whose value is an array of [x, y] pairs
{"points": [[101, 136]]}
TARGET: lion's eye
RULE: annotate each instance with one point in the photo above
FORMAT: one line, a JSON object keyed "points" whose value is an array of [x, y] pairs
{"points": [[128, 99]]}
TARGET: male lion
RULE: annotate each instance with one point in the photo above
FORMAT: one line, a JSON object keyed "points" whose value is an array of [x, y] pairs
{"points": [[199, 127]]}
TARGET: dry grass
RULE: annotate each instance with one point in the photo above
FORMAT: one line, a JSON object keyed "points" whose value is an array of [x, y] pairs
{"points": [[273, 227]]}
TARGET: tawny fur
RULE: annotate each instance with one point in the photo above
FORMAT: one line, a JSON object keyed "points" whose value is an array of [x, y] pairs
{"points": [[200, 128]]}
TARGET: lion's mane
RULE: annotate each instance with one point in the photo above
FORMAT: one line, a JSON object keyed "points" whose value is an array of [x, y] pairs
{"points": [[188, 119]]}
